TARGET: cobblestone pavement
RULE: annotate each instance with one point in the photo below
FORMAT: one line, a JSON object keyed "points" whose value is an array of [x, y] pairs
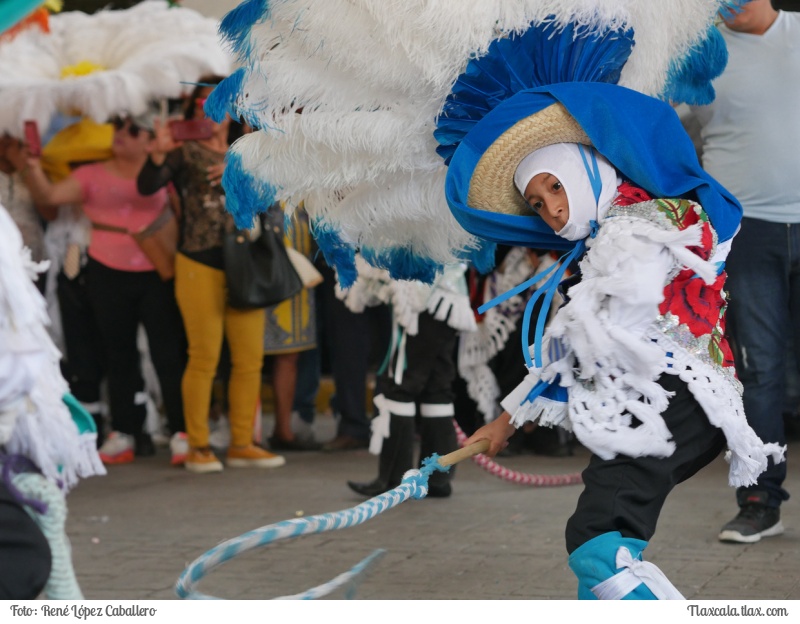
{"points": [[134, 531]]}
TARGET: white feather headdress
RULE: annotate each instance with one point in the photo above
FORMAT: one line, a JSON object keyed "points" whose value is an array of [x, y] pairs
{"points": [[371, 78], [108, 63]]}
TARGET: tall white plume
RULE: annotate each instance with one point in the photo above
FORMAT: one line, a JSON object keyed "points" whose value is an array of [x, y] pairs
{"points": [[371, 77]]}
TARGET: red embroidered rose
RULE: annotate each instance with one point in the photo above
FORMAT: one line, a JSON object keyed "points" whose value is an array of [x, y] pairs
{"points": [[697, 305]]}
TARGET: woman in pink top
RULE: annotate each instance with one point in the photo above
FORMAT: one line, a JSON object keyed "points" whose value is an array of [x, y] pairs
{"points": [[108, 199], [123, 287]]}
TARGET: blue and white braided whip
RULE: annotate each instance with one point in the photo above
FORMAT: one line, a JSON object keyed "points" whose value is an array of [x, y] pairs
{"points": [[413, 485]]}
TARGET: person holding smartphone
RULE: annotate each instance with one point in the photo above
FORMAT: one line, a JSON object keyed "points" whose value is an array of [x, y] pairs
{"points": [[194, 168], [123, 287]]}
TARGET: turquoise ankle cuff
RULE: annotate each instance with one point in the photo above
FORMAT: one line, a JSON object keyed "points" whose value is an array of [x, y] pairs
{"points": [[595, 562]]}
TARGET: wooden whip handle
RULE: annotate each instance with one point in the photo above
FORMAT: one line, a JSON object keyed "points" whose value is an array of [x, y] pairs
{"points": [[481, 446]]}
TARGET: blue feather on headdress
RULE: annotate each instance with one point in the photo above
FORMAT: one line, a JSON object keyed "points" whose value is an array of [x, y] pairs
{"points": [[545, 54], [251, 196], [337, 252], [689, 81], [237, 24], [222, 100], [402, 263]]}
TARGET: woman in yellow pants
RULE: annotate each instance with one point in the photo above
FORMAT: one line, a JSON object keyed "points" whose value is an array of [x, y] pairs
{"points": [[194, 169]]}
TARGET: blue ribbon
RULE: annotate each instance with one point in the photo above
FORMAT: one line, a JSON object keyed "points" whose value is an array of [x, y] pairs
{"points": [[550, 287], [516, 290], [549, 290], [537, 390], [593, 173]]}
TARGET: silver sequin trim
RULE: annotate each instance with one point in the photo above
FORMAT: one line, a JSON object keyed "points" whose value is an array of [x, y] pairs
{"points": [[681, 335], [653, 212]]}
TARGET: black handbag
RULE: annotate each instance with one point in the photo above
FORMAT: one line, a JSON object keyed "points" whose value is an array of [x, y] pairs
{"points": [[258, 271]]}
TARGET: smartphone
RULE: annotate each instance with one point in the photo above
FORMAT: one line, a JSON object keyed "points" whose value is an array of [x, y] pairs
{"points": [[32, 139], [191, 130]]}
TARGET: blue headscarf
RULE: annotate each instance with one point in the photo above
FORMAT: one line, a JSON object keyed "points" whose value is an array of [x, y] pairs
{"points": [[640, 135]]}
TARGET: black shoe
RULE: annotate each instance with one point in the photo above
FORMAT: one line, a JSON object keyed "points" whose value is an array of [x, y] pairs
{"points": [[298, 444], [143, 445], [754, 520], [373, 488]]}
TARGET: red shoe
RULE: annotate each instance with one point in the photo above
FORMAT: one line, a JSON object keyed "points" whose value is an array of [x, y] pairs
{"points": [[117, 449], [179, 448]]}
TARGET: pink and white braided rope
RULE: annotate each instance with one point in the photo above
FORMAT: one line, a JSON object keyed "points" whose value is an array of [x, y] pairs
{"points": [[523, 478]]}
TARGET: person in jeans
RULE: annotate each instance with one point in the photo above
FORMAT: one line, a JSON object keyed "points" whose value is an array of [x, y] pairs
{"points": [[350, 339], [749, 142], [195, 168], [123, 287]]}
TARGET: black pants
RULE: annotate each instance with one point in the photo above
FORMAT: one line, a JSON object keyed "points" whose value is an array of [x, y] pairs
{"points": [[25, 558], [121, 300], [83, 365], [626, 494], [351, 339], [431, 368]]}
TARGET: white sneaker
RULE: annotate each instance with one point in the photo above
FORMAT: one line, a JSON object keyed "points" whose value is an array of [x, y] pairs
{"points": [[117, 449], [302, 430], [179, 447]]}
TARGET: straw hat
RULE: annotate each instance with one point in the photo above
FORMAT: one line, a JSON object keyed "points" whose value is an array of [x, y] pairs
{"points": [[492, 185]]}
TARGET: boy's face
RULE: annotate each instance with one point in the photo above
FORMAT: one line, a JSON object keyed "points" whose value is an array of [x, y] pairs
{"points": [[546, 197]]}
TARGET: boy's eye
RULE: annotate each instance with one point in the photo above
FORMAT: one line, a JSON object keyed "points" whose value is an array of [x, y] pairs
{"points": [[557, 186]]}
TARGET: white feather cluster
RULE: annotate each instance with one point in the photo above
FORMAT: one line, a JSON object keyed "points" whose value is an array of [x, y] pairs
{"points": [[446, 299], [146, 53], [373, 76], [34, 421]]}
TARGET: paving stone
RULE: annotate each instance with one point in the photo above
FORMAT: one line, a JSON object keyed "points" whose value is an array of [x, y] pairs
{"points": [[135, 530]]}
